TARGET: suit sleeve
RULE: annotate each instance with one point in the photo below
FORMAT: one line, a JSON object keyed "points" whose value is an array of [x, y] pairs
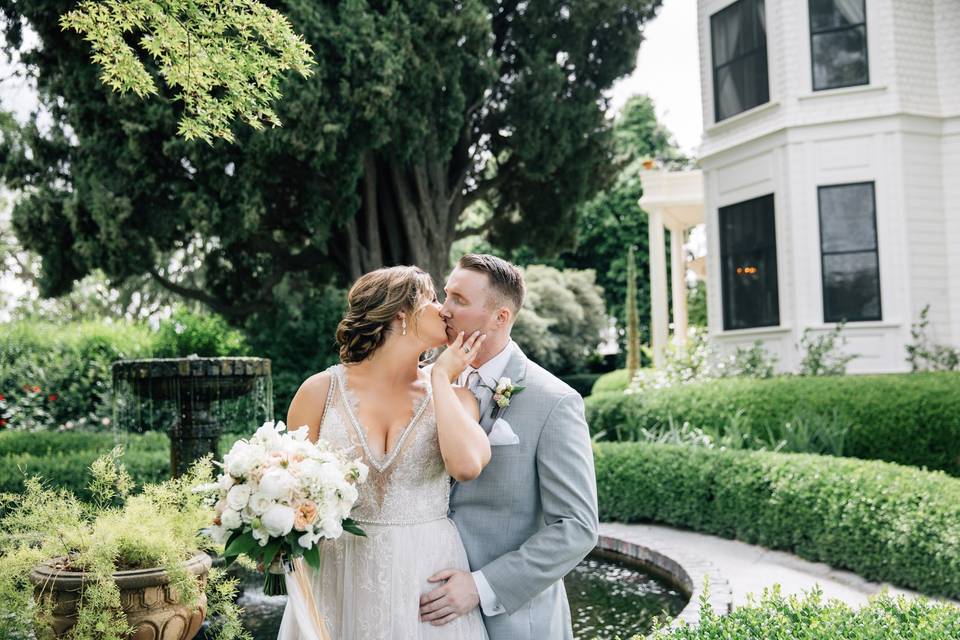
{"points": [[568, 495]]}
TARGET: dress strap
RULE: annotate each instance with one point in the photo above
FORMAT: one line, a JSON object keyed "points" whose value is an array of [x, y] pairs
{"points": [[326, 403]]}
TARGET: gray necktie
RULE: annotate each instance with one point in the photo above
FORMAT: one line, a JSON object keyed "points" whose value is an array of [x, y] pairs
{"points": [[473, 382]]}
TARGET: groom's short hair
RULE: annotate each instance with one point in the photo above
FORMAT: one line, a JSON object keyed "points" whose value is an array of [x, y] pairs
{"points": [[505, 278]]}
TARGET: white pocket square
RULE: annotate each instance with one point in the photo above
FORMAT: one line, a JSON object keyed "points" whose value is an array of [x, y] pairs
{"points": [[502, 434]]}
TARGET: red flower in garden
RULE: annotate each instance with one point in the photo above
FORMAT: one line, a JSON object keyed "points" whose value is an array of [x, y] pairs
{"points": [[2, 397], [52, 397], [3, 422], [36, 389]]}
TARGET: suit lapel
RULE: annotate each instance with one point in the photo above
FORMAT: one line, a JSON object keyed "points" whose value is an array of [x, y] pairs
{"points": [[516, 370]]}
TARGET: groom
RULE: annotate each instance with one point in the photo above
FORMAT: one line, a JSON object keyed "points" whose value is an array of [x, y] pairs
{"points": [[531, 515]]}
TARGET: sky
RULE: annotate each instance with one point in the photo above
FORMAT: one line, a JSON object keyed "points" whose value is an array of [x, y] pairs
{"points": [[668, 70]]}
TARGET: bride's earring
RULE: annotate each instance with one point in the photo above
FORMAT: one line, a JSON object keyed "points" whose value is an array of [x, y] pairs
{"points": [[404, 327]]}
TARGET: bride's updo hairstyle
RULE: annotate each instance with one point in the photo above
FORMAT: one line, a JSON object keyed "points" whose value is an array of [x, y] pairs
{"points": [[374, 301]]}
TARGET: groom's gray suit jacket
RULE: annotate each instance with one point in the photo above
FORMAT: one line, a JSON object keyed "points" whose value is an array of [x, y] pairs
{"points": [[531, 515]]}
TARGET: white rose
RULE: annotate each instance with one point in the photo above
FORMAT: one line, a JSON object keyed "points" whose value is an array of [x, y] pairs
{"points": [[219, 535], [231, 519], [360, 470], [260, 535], [225, 482], [243, 458], [259, 503], [237, 496], [503, 384], [308, 540], [278, 520], [331, 528], [300, 433], [277, 483]]}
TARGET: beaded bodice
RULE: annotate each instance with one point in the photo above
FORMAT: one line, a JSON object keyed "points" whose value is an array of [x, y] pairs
{"points": [[409, 484]]}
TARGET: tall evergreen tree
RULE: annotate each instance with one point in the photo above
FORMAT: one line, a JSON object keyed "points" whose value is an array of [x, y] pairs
{"points": [[633, 329], [417, 109]]}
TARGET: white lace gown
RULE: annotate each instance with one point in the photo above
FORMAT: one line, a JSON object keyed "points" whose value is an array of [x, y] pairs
{"points": [[369, 588]]}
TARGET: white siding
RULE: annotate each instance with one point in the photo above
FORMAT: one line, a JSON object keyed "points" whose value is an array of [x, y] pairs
{"points": [[902, 132]]}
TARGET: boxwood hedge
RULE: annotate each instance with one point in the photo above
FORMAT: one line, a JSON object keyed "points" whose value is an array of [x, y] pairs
{"points": [[809, 617], [884, 521], [906, 418]]}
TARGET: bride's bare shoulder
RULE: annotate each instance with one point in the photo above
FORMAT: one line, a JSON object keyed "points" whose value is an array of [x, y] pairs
{"points": [[316, 385]]}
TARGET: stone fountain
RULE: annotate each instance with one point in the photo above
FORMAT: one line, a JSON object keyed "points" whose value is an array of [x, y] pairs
{"points": [[195, 400]]}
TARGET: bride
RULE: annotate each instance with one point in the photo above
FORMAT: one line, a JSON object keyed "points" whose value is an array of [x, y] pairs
{"points": [[414, 430]]}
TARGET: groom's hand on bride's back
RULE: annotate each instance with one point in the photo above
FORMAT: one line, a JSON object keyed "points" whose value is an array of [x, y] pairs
{"points": [[456, 597]]}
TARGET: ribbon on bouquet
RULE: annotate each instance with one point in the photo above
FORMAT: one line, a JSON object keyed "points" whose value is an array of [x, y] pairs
{"points": [[301, 619]]}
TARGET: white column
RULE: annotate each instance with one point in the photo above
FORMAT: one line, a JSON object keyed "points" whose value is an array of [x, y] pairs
{"points": [[678, 272], [659, 331]]}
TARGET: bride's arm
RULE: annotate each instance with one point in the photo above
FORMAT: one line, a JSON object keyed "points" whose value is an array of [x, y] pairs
{"points": [[306, 408], [463, 444]]}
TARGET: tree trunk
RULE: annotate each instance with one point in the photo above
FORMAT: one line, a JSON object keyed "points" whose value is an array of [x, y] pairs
{"points": [[408, 215]]}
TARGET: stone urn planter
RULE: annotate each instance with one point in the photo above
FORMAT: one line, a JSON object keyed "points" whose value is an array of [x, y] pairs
{"points": [[147, 599]]}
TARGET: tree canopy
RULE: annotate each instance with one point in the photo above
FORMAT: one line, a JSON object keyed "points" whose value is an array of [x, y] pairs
{"points": [[224, 58], [417, 109]]}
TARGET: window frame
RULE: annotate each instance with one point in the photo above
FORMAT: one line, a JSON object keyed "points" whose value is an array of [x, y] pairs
{"points": [[762, 48], [725, 291], [866, 52], [875, 250]]}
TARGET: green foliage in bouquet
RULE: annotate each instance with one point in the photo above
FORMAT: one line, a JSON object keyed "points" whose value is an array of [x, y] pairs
{"points": [[117, 530], [225, 58]]}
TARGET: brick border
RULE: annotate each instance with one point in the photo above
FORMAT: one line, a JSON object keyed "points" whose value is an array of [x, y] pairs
{"points": [[686, 572]]}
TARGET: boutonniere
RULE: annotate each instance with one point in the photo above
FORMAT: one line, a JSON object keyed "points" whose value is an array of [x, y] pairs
{"points": [[502, 392]]}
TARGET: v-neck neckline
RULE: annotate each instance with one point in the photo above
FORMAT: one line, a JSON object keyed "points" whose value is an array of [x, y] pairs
{"points": [[379, 462]]}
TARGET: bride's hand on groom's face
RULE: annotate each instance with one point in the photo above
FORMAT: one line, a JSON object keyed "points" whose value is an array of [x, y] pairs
{"points": [[458, 355]]}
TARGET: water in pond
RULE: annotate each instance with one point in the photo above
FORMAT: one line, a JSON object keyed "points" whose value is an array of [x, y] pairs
{"points": [[609, 598]]}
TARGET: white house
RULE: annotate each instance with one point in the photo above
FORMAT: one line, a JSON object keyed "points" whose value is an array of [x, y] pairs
{"points": [[831, 172]]}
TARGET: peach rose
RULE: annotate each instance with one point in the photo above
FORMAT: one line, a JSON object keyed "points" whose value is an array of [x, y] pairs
{"points": [[304, 515]]}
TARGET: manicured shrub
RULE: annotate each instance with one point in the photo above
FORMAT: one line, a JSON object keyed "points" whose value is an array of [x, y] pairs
{"points": [[809, 617], [54, 374], [614, 381], [906, 418], [63, 458], [884, 521], [204, 334], [582, 382]]}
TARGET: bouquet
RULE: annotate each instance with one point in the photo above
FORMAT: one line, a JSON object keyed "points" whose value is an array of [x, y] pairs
{"points": [[278, 496]]}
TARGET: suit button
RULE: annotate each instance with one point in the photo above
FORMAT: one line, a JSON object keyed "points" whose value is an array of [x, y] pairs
{"points": [[452, 511]]}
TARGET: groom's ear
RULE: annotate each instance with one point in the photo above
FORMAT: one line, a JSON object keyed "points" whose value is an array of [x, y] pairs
{"points": [[504, 316]]}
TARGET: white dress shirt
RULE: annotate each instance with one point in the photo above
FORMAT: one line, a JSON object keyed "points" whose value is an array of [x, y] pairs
{"points": [[490, 372]]}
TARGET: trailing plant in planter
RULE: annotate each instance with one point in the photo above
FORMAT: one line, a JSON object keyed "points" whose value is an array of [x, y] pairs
{"points": [[70, 569]]}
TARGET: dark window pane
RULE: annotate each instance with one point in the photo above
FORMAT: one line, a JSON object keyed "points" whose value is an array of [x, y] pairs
{"points": [[830, 14], [851, 287], [742, 85], [748, 258], [840, 58], [847, 221], [738, 37]]}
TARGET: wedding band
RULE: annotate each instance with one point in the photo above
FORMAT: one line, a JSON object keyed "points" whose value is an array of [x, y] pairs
{"points": [[466, 349]]}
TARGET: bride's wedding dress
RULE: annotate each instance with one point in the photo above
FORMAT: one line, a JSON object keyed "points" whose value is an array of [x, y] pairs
{"points": [[369, 588]]}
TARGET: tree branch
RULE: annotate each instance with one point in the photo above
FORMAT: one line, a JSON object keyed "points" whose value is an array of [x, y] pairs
{"points": [[474, 231], [191, 294]]}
